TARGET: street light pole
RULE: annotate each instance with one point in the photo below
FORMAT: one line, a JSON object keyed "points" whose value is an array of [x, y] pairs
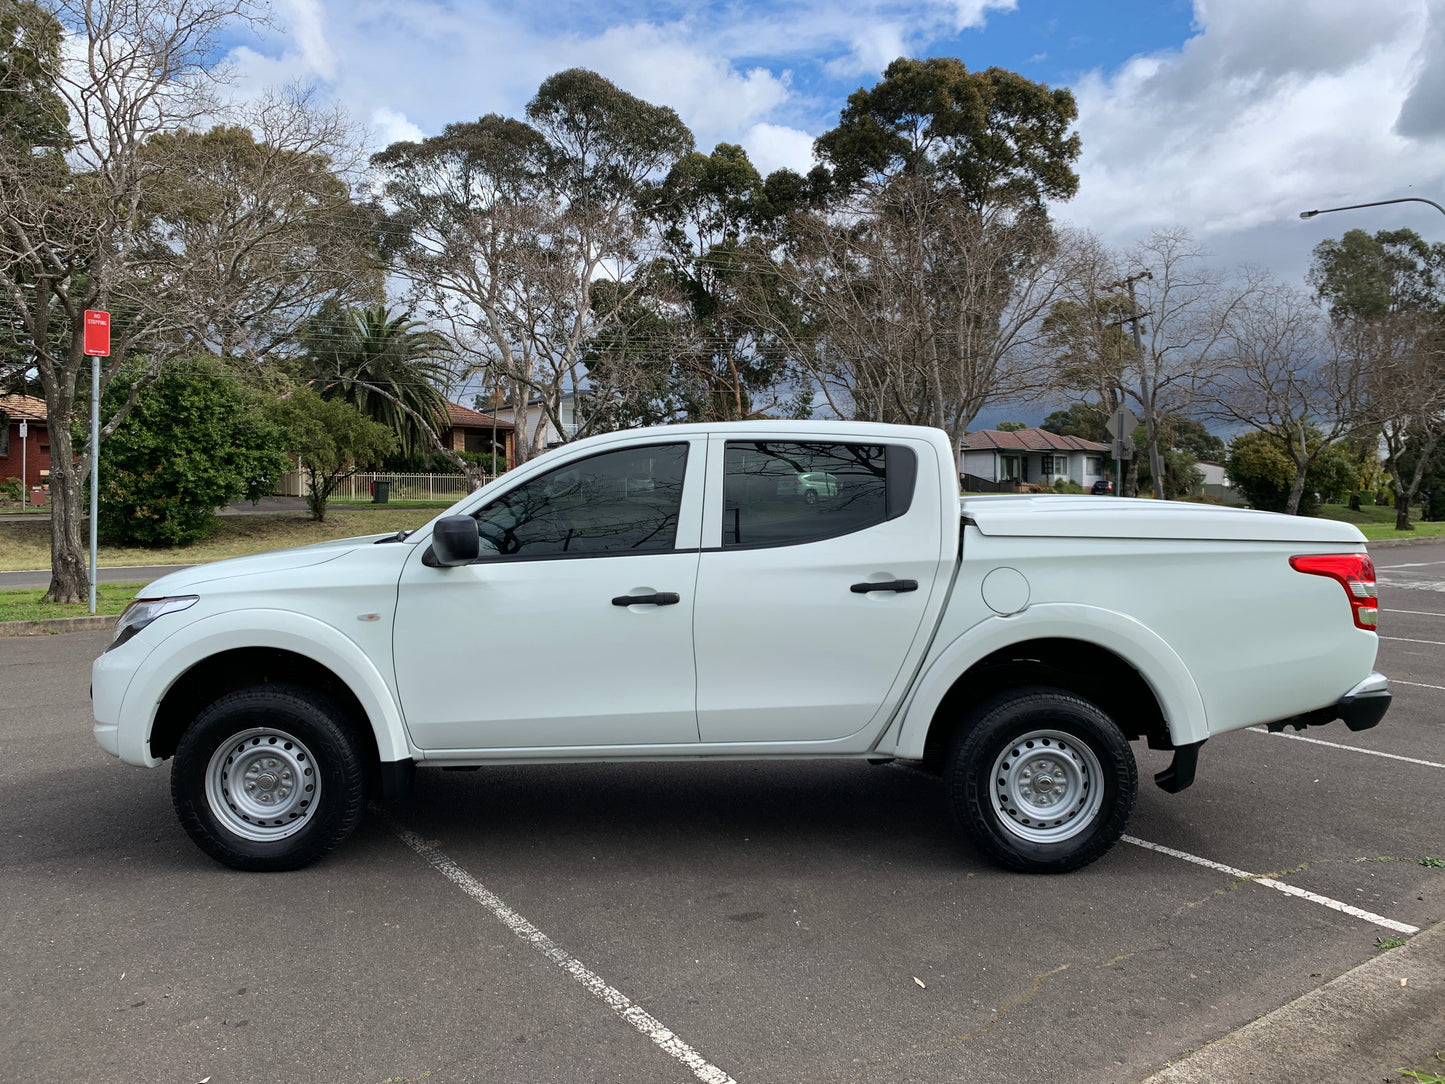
{"points": [[1377, 203]]}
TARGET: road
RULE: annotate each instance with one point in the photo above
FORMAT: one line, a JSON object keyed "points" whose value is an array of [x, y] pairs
{"points": [[776, 922]]}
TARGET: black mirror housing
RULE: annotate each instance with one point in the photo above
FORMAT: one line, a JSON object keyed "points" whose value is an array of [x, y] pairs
{"points": [[454, 541]]}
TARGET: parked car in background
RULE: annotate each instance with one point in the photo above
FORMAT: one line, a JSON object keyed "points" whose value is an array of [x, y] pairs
{"points": [[811, 487], [1102, 488]]}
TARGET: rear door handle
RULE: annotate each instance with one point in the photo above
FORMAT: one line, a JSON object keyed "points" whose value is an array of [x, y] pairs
{"points": [[659, 598], [884, 585]]}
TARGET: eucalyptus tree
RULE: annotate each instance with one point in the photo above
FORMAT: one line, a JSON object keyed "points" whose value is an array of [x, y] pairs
{"points": [[692, 336], [924, 273], [527, 238]]}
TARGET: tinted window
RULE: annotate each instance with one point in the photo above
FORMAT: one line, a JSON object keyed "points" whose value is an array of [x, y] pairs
{"points": [[617, 502], [777, 492]]}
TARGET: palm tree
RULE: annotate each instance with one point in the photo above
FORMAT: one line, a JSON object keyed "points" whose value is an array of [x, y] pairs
{"points": [[387, 366]]}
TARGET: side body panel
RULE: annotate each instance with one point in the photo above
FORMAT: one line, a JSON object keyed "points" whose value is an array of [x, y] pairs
{"points": [[1225, 633]]}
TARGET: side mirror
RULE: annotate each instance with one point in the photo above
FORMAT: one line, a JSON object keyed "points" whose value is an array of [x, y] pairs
{"points": [[454, 541]]}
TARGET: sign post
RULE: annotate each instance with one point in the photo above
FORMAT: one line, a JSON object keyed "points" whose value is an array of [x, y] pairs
{"points": [[97, 346], [24, 467], [1121, 426]]}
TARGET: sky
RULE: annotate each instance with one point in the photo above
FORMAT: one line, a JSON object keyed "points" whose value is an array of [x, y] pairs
{"points": [[1227, 117]]}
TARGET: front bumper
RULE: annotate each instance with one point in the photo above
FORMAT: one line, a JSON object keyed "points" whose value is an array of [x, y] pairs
{"points": [[1360, 708]]}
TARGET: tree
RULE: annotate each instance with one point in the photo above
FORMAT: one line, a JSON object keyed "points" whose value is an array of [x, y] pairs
{"points": [[1386, 296], [386, 366], [918, 259], [1287, 375], [994, 137], [194, 441], [527, 239], [1263, 470], [713, 360], [332, 440], [131, 220]]}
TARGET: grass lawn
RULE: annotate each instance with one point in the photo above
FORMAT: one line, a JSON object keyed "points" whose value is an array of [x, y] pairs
{"points": [[110, 598], [26, 545], [1377, 522]]}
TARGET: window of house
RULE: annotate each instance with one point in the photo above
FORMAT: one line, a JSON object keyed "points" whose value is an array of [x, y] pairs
{"points": [[619, 502], [1008, 468], [1047, 465], [1096, 464], [784, 492]]}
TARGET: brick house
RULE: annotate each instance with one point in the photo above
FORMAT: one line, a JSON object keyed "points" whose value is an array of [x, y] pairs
{"points": [[32, 450], [473, 431]]}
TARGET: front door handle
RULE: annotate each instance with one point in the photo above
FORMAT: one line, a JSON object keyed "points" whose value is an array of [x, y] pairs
{"points": [[884, 585], [659, 598]]}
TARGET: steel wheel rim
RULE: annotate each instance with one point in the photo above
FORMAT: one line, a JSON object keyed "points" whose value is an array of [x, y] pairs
{"points": [[262, 784], [1046, 787]]}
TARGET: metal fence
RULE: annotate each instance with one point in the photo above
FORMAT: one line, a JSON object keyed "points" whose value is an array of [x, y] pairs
{"points": [[360, 487]]}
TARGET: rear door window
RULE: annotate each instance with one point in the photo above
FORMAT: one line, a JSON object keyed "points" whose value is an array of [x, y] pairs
{"points": [[779, 493]]}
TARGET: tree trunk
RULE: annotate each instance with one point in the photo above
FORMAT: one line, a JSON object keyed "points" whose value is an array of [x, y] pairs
{"points": [[69, 574], [1402, 512], [1296, 491]]}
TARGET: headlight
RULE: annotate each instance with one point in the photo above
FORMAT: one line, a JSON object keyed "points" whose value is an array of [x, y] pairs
{"points": [[143, 611]]}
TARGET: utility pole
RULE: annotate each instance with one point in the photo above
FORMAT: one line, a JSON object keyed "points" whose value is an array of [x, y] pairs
{"points": [[1146, 394]]}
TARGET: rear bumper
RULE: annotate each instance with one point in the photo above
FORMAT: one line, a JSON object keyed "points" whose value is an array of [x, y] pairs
{"points": [[1360, 708]]}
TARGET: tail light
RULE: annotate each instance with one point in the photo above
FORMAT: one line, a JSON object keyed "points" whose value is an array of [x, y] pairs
{"points": [[1355, 572]]}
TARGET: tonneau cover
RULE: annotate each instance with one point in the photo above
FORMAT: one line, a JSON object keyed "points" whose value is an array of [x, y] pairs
{"points": [[1046, 515]]}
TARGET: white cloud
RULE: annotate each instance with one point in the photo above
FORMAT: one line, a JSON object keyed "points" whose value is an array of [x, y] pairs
{"points": [[1269, 109], [772, 146], [390, 126], [660, 64], [306, 23]]}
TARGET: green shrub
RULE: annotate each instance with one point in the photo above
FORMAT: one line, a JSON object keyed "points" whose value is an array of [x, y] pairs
{"points": [[194, 441]]}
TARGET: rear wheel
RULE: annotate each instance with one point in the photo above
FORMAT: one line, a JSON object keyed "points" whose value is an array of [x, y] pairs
{"points": [[269, 778], [1041, 780]]}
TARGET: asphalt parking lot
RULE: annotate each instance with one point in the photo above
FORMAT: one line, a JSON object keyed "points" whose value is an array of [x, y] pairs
{"points": [[753, 922]]}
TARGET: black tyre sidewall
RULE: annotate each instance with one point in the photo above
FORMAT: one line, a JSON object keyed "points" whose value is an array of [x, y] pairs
{"points": [[969, 782], [340, 766]]}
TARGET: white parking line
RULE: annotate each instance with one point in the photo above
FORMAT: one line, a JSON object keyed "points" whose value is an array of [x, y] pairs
{"points": [[1350, 748], [1278, 886], [1407, 640], [1418, 613], [1417, 684], [615, 1000]]}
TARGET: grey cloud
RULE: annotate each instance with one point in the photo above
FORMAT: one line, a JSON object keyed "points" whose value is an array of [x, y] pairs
{"points": [[1422, 116]]}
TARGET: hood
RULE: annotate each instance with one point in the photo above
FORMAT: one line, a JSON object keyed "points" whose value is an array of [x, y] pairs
{"points": [[182, 582], [1122, 517]]}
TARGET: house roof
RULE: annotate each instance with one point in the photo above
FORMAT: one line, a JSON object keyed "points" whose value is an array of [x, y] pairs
{"points": [[23, 407], [1028, 440], [465, 418]]}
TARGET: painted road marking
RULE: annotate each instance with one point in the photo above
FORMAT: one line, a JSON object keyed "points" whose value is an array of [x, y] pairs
{"points": [[1352, 748], [1278, 886], [1420, 613], [1417, 684], [1414, 564], [615, 1000], [1407, 640]]}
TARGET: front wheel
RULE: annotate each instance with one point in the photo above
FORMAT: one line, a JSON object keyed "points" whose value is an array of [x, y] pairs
{"points": [[269, 778], [1042, 780]]}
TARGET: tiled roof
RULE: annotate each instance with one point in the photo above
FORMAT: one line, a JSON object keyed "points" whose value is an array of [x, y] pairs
{"points": [[475, 419], [1028, 440], [23, 407]]}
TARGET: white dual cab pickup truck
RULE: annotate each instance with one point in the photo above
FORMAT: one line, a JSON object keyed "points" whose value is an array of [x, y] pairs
{"points": [[679, 593]]}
